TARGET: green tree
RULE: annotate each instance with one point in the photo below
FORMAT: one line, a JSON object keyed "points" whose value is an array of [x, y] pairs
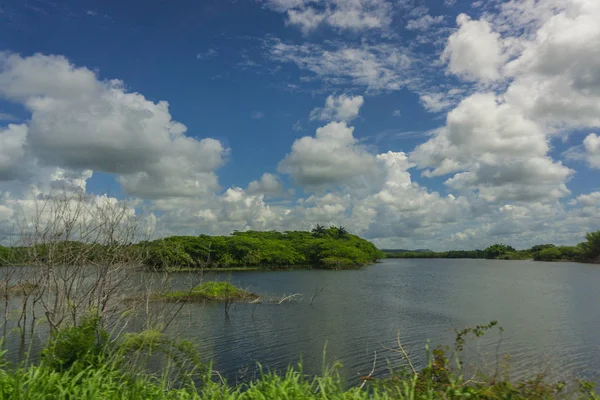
{"points": [[591, 248], [548, 254], [318, 231], [497, 250], [341, 232], [539, 247]]}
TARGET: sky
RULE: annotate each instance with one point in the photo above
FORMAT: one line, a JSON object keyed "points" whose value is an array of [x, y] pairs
{"points": [[439, 124]]}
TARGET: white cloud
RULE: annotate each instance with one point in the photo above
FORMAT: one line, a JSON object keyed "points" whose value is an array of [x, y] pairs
{"points": [[590, 199], [257, 115], [338, 108], [268, 184], [12, 151], [556, 75], [591, 150], [397, 113], [424, 22], [297, 126], [80, 122], [357, 15], [435, 102], [307, 19], [210, 53], [332, 157], [376, 67], [474, 51], [494, 149]]}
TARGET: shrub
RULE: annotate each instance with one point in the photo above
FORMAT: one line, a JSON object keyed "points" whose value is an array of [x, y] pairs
{"points": [[83, 344], [548, 254]]}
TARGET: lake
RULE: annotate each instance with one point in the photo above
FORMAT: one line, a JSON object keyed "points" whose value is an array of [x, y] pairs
{"points": [[549, 312]]}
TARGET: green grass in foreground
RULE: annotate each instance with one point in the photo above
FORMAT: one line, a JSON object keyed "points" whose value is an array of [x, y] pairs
{"points": [[213, 291], [107, 382], [82, 363]]}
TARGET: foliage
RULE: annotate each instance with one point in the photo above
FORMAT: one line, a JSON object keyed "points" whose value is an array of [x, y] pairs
{"points": [[211, 290], [539, 247], [497, 251], [82, 344], [518, 255], [6, 255], [326, 248], [110, 378], [433, 254], [548, 254], [591, 248]]}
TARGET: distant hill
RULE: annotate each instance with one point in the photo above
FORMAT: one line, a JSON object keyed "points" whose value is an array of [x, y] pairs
{"points": [[392, 251]]}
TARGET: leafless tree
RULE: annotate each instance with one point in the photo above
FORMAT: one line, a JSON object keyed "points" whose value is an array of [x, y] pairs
{"points": [[82, 250]]}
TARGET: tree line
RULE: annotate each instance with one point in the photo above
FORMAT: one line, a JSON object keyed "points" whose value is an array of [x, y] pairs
{"points": [[332, 248], [588, 251]]}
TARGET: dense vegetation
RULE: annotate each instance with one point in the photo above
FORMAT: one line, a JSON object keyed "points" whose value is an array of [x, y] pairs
{"points": [[210, 290], [332, 248], [83, 362], [324, 248], [6, 255], [588, 251]]}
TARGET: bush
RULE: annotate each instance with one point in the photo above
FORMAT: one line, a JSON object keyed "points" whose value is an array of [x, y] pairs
{"points": [[83, 344], [548, 254]]}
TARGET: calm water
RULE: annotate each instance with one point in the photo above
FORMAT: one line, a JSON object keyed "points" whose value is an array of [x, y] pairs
{"points": [[550, 313]]}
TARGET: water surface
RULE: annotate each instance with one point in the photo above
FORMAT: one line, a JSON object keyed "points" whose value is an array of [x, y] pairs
{"points": [[550, 313]]}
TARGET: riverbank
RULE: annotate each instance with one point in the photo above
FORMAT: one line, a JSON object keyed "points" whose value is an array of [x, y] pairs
{"points": [[81, 363], [585, 252]]}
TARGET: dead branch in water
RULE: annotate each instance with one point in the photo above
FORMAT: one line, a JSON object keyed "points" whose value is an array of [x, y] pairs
{"points": [[315, 295]]}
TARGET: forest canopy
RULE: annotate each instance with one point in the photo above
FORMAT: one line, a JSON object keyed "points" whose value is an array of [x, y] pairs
{"points": [[332, 248]]}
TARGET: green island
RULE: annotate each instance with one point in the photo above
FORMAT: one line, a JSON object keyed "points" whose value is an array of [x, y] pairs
{"points": [[588, 251], [210, 290], [330, 248]]}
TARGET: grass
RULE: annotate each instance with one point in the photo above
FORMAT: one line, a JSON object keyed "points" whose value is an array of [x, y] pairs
{"points": [[105, 381], [212, 291], [116, 370]]}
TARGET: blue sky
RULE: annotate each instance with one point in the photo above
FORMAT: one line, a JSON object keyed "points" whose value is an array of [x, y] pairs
{"points": [[414, 123]]}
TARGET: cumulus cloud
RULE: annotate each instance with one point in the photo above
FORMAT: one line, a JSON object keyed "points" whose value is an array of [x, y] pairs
{"points": [[556, 76], [590, 151], [338, 108], [333, 156], [493, 148], [81, 122], [474, 51], [12, 151], [268, 184]]}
